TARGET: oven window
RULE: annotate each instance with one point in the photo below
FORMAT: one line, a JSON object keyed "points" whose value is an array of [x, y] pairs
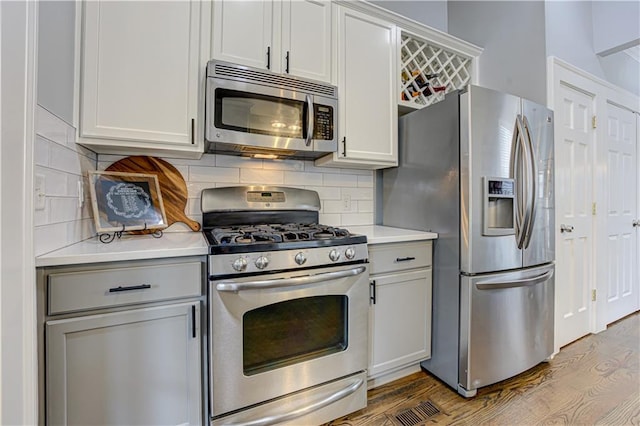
{"points": [[260, 114], [293, 331]]}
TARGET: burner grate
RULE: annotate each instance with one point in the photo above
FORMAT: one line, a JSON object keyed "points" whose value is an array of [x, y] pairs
{"points": [[277, 233]]}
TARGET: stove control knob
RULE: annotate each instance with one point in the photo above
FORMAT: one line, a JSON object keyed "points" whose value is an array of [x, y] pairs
{"points": [[334, 255], [300, 258], [240, 264], [350, 253], [262, 262]]}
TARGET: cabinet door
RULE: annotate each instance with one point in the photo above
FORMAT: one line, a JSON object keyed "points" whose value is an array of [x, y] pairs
{"points": [[243, 33], [125, 368], [366, 85], [400, 320], [141, 71], [306, 39]]}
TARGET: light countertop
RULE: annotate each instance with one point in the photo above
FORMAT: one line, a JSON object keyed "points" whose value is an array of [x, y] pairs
{"points": [[129, 247], [377, 234], [178, 244]]}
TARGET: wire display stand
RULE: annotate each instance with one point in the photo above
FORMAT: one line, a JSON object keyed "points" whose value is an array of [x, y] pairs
{"points": [[107, 237]]}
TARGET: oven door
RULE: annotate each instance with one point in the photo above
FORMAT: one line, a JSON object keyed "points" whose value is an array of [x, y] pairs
{"points": [[272, 335]]}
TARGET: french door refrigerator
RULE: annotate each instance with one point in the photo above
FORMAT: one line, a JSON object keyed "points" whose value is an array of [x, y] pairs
{"points": [[477, 168]]}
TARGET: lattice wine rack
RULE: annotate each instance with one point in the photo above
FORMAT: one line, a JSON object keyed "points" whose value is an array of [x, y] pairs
{"points": [[428, 72]]}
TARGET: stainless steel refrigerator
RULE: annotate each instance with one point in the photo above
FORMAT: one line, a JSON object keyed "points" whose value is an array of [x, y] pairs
{"points": [[477, 168]]}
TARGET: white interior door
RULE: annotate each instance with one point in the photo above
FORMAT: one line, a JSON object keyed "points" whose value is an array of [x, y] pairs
{"points": [[621, 251], [574, 146]]}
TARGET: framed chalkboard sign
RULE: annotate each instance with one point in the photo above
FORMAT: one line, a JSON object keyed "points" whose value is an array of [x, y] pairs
{"points": [[126, 201]]}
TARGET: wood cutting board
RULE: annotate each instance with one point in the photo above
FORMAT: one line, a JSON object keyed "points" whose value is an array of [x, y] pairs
{"points": [[172, 186]]}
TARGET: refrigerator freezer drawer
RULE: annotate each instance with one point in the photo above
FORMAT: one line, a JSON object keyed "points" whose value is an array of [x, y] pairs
{"points": [[506, 324]]}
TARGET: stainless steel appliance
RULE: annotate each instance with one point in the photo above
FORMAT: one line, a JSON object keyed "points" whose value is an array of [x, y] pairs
{"points": [[288, 309], [477, 168], [253, 112]]}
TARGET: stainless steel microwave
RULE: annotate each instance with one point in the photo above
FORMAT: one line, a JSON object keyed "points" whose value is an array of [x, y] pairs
{"points": [[258, 113]]}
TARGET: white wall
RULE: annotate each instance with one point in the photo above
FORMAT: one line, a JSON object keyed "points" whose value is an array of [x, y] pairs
{"points": [[429, 12], [569, 34], [56, 50], [622, 70], [616, 25], [18, 392], [512, 34]]}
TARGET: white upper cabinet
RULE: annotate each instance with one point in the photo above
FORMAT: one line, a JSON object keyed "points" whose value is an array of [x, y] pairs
{"points": [[306, 39], [289, 36], [367, 87], [242, 32], [142, 76]]}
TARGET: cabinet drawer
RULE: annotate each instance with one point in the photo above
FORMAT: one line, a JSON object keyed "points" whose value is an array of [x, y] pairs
{"points": [[101, 288], [398, 256]]}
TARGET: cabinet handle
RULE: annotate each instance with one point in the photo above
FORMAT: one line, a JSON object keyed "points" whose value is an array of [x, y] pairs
{"points": [[287, 67], [268, 57], [405, 259], [193, 131], [129, 288], [193, 321], [372, 297], [344, 146]]}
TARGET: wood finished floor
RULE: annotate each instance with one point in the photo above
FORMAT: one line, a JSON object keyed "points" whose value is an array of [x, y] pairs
{"points": [[593, 381]]}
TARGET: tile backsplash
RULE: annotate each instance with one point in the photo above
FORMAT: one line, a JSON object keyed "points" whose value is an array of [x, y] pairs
{"points": [[63, 166], [346, 195]]}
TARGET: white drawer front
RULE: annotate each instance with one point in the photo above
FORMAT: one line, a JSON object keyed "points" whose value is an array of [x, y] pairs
{"points": [[101, 288], [399, 256]]}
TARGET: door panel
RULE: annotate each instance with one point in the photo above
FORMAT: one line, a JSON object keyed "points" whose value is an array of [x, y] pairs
{"points": [[367, 60], [140, 70], [487, 120], [574, 138], [506, 324], [135, 367], [541, 248], [622, 196], [231, 19], [306, 37]]}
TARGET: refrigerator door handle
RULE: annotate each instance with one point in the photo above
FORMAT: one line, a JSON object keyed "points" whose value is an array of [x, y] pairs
{"points": [[519, 170], [527, 282], [531, 184], [515, 172]]}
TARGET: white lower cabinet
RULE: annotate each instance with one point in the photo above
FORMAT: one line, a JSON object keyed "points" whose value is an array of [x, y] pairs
{"points": [[135, 367], [126, 349], [400, 309]]}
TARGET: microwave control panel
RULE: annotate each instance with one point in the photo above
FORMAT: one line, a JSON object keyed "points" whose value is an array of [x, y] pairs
{"points": [[323, 122]]}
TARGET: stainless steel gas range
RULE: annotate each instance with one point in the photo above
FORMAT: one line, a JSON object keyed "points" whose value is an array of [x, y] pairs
{"points": [[288, 309]]}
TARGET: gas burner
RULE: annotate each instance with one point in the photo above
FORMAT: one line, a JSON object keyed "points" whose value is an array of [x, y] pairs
{"points": [[252, 219], [271, 237]]}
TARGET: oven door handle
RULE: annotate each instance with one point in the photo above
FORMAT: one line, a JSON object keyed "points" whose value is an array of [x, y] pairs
{"points": [[232, 286], [302, 411]]}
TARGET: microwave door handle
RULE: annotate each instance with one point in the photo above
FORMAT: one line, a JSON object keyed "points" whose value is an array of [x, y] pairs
{"points": [[310, 128]]}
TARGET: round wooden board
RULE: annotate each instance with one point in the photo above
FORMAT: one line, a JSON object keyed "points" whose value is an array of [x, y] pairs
{"points": [[172, 186]]}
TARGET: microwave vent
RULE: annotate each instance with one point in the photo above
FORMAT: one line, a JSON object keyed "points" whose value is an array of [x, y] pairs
{"points": [[250, 150], [254, 75]]}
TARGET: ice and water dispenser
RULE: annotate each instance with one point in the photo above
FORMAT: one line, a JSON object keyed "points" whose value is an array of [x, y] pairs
{"points": [[499, 203]]}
